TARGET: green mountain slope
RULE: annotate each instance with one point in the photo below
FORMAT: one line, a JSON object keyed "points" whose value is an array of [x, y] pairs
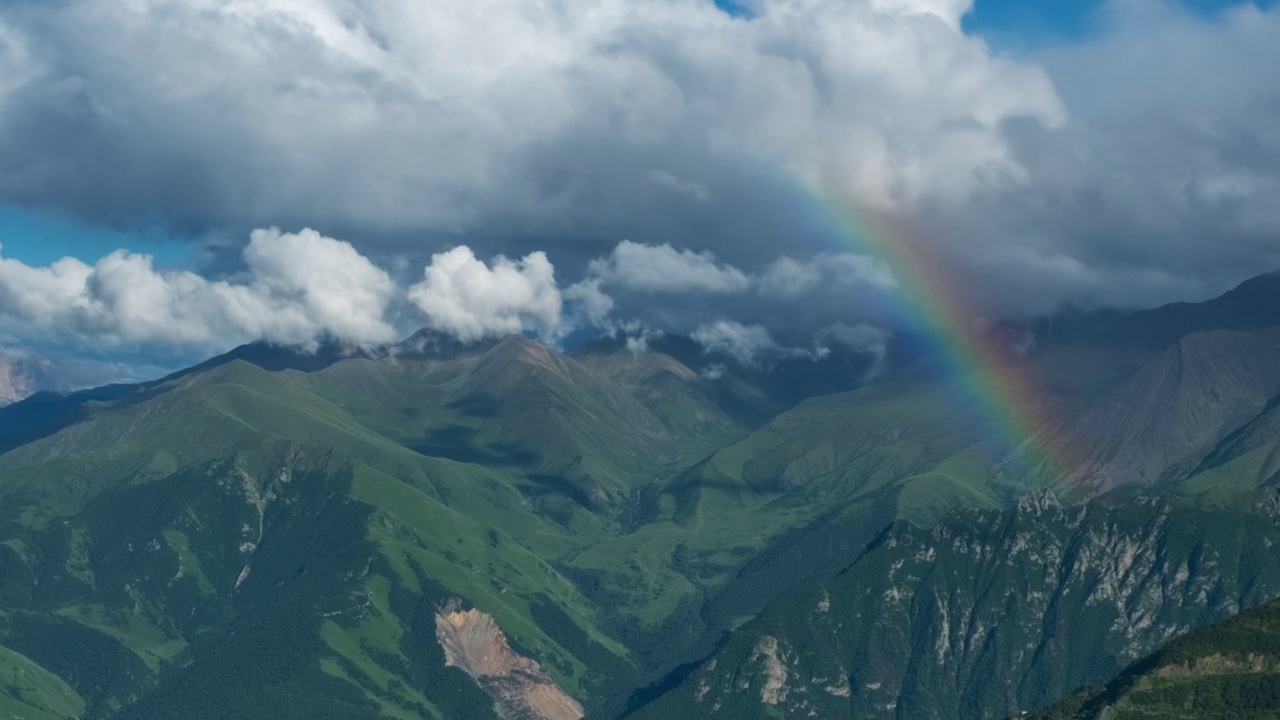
{"points": [[519, 405], [1227, 670], [450, 531], [29, 692], [237, 499], [148, 524]]}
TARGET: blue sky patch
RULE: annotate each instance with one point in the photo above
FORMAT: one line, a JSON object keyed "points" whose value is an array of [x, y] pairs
{"points": [[39, 239], [736, 8], [1027, 24]]}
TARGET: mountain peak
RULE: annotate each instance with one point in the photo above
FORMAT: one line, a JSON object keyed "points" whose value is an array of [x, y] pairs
{"points": [[516, 340], [516, 349], [1265, 286], [436, 344]]}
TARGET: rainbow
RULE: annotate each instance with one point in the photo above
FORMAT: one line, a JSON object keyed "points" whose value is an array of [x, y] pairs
{"points": [[932, 299]]}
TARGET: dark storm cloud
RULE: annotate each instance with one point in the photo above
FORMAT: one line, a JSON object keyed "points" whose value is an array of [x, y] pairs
{"points": [[1163, 185]]}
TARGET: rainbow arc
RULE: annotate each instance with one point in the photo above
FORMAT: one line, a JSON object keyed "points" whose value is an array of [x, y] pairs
{"points": [[932, 299]]}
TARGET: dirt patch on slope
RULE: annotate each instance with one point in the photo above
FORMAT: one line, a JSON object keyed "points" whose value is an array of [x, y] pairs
{"points": [[473, 642]]}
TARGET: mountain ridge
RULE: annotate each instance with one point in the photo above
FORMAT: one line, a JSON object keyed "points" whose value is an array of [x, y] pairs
{"points": [[627, 520]]}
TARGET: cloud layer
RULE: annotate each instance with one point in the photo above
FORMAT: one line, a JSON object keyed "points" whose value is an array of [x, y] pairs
{"points": [[1163, 184], [300, 288], [595, 118], [664, 156]]}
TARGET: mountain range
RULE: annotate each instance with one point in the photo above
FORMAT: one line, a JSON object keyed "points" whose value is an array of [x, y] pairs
{"points": [[504, 529]]}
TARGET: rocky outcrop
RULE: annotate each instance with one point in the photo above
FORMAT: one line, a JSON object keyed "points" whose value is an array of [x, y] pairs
{"points": [[473, 642], [989, 613], [1227, 670]]}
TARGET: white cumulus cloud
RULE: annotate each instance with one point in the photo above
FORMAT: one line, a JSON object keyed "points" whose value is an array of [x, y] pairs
{"points": [[332, 287], [462, 295], [593, 304], [745, 343], [662, 269], [297, 288]]}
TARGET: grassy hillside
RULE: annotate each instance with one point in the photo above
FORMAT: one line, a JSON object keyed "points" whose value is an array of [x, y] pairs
{"points": [[29, 692], [238, 498], [236, 512], [273, 534]]}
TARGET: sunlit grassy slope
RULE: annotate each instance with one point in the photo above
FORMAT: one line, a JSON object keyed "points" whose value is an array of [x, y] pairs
{"points": [[29, 692]]}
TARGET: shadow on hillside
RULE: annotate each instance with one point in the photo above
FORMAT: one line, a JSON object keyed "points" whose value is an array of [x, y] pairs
{"points": [[477, 405], [558, 485], [458, 442]]}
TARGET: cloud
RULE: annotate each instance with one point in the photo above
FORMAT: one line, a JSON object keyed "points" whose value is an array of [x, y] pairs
{"points": [[1163, 184], [752, 344], [747, 344], [1133, 167], [21, 374], [863, 338], [691, 190], [866, 338], [662, 269], [487, 115], [632, 273], [462, 295], [296, 288], [336, 290], [638, 336], [788, 278], [24, 372], [592, 302]]}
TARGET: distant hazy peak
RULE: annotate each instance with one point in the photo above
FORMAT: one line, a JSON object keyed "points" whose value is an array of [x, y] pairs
{"points": [[21, 376]]}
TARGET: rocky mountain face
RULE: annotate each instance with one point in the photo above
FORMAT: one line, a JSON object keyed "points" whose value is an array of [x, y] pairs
{"points": [[988, 612], [506, 530], [1231, 669], [1159, 425]]}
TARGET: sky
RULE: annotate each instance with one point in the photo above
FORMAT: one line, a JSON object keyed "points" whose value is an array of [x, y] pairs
{"points": [[1023, 26], [181, 176]]}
